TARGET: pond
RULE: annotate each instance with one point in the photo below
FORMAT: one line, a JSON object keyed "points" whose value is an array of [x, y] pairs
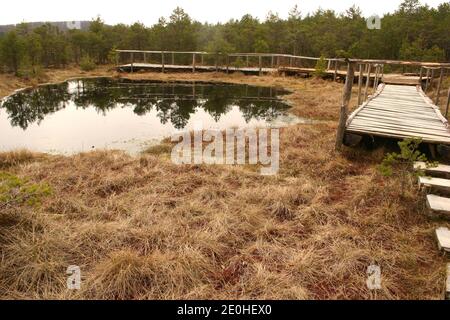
{"points": [[105, 113]]}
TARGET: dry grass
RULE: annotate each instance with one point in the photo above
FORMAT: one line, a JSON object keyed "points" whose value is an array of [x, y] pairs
{"points": [[144, 228]]}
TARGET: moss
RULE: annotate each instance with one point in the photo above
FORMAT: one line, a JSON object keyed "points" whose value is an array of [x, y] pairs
{"points": [[14, 189]]}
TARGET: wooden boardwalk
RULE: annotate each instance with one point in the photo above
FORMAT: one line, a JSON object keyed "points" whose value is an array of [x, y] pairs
{"points": [[198, 68], [399, 111]]}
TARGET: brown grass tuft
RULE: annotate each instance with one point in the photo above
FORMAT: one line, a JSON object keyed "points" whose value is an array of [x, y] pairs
{"points": [[143, 228]]}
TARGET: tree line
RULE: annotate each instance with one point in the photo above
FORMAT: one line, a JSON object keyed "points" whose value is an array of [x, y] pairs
{"points": [[413, 32]]}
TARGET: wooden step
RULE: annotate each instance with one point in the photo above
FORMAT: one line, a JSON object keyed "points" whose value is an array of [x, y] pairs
{"points": [[439, 170], [443, 239], [435, 183], [438, 204]]}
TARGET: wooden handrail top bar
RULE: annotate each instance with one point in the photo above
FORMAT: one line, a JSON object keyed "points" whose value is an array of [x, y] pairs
{"points": [[436, 65]]}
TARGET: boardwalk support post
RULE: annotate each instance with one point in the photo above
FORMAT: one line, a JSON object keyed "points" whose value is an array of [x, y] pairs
{"points": [[132, 61], [347, 94], [421, 76], [448, 103], [260, 65], [428, 80], [369, 68], [375, 80], [360, 81], [193, 62], [438, 91], [335, 70]]}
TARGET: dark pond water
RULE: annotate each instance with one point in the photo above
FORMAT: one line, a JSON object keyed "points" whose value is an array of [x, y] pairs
{"points": [[101, 113]]}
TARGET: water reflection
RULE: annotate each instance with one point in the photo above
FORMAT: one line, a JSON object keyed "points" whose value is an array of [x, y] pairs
{"points": [[174, 102], [123, 114]]}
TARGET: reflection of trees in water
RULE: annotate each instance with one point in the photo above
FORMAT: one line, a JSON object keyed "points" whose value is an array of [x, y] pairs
{"points": [[174, 102], [29, 106]]}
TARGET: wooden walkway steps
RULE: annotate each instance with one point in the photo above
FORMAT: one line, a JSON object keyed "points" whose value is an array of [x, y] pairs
{"points": [[439, 170], [443, 239], [398, 111], [435, 184], [438, 205]]}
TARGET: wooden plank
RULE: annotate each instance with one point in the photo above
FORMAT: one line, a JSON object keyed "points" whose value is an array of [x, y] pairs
{"points": [[439, 205], [398, 133], [399, 114], [443, 239], [432, 125], [395, 135], [439, 169], [435, 183], [421, 125], [406, 130], [402, 114]]}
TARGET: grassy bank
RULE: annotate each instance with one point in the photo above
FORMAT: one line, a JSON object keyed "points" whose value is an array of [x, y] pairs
{"points": [[142, 227]]}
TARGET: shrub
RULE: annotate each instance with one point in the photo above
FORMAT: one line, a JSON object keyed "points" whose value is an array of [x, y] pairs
{"points": [[321, 67], [87, 64]]}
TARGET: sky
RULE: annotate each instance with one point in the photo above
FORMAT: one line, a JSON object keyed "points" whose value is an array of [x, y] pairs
{"points": [[148, 11]]}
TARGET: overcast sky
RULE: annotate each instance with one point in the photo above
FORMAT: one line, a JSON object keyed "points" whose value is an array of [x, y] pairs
{"points": [[148, 11]]}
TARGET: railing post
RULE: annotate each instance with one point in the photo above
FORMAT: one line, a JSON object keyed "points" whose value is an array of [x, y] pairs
{"points": [[366, 90], [260, 65], [163, 69], [438, 92], [346, 96], [427, 83], [335, 70], [421, 76], [228, 62], [117, 58], [360, 81], [271, 62], [329, 64], [375, 80], [432, 78], [132, 61], [145, 57], [247, 61], [173, 58], [203, 60], [193, 62], [448, 103]]}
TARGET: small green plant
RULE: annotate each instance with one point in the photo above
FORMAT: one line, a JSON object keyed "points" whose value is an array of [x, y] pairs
{"points": [[238, 63], [87, 64], [321, 67], [15, 190], [401, 164], [113, 55]]}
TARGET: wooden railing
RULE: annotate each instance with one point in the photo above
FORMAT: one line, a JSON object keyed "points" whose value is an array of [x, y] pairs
{"points": [[273, 60]]}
